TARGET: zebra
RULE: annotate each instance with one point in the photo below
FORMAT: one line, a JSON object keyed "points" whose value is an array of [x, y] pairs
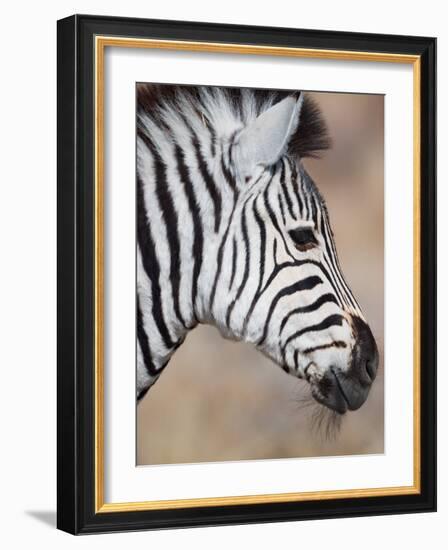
{"points": [[232, 231]]}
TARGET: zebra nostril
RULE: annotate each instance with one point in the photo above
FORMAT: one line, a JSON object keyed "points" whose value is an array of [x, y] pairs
{"points": [[366, 358], [370, 365], [371, 368]]}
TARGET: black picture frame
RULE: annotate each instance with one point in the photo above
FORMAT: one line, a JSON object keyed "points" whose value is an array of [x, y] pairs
{"points": [[76, 255]]}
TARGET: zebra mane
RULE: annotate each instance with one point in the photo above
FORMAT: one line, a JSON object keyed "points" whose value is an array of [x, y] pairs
{"points": [[225, 110]]}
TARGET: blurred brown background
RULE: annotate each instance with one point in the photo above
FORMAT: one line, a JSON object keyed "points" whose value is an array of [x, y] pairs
{"points": [[219, 400]]}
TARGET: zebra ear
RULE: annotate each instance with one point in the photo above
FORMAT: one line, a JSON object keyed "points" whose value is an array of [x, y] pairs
{"points": [[265, 140]]}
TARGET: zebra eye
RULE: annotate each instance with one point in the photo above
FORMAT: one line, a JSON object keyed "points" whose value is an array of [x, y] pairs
{"points": [[303, 238]]}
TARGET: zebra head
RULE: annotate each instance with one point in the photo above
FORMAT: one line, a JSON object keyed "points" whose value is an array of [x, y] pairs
{"points": [[278, 282], [232, 231]]}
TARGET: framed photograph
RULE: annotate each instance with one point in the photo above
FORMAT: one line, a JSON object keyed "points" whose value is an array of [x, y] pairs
{"points": [[246, 274]]}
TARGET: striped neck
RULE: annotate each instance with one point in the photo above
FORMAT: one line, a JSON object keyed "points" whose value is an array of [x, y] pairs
{"points": [[184, 204]]}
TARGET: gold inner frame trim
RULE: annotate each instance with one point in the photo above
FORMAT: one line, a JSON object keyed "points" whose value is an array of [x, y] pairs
{"points": [[101, 42]]}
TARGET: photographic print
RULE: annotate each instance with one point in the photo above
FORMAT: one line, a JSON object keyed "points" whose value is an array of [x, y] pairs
{"points": [[259, 274], [246, 327]]}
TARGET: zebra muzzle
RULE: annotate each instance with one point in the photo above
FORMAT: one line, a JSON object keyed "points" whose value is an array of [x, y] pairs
{"points": [[342, 390]]}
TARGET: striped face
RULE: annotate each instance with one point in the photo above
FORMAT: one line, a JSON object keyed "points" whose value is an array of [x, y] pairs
{"points": [[282, 288]]}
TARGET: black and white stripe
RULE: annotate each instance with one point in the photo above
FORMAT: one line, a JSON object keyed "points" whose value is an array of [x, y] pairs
{"points": [[215, 225]]}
